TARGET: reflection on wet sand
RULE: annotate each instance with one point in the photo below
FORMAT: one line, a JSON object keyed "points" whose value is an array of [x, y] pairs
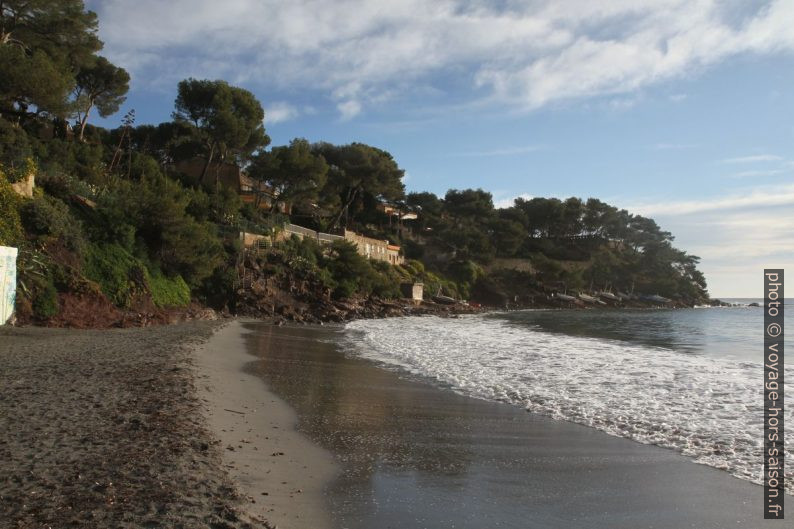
{"points": [[365, 414], [415, 455]]}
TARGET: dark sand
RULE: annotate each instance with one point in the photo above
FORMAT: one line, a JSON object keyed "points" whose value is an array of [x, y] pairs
{"points": [[108, 429], [414, 455], [104, 429]]}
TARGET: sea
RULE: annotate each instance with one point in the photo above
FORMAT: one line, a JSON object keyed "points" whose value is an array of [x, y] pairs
{"points": [[690, 380]]}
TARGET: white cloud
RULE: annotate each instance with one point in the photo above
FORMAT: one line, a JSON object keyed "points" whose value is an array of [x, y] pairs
{"points": [[746, 174], [770, 196], [508, 202], [735, 235], [360, 52], [349, 109], [280, 111], [754, 158]]}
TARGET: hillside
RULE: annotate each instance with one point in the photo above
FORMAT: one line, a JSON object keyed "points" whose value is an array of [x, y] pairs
{"points": [[142, 223]]}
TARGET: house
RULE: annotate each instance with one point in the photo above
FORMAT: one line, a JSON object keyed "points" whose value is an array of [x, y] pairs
{"points": [[395, 210], [393, 254], [377, 249]]}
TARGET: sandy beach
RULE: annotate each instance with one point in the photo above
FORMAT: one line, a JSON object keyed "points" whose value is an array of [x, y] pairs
{"points": [[280, 472], [252, 425], [104, 429]]}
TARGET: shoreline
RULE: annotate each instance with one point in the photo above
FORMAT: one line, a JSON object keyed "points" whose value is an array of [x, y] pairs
{"points": [[408, 447], [192, 423], [280, 472]]}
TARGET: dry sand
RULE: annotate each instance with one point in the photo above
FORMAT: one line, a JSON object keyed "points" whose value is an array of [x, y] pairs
{"points": [[104, 429], [280, 471]]}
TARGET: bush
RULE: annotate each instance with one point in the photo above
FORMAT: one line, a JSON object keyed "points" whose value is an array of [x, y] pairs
{"points": [[15, 152], [36, 283], [415, 268], [218, 289], [60, 185], [168, 292], [10, 222], [350, 270], [49, 217], [176, 242], [118, 273], [45, 299], [386, 281]]}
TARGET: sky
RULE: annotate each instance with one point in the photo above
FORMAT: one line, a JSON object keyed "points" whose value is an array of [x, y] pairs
{"points": [[680, 110]]}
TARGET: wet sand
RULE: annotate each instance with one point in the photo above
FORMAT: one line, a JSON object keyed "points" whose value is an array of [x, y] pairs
{"points": [[281, 473], [415, 455]]}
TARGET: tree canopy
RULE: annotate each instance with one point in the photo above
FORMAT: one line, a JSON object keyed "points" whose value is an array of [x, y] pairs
{"points": [[43, 45], [229, 119], [359, 172], [294, 172], [102, 85]]}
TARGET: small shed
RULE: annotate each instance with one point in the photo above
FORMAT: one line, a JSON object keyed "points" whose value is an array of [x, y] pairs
{"points": [[413, 291], [8, 282]]}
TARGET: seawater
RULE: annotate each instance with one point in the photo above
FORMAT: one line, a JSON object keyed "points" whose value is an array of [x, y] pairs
{"points": [[685, 379]]}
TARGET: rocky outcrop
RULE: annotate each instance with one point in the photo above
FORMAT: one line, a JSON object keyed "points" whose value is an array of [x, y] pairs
{"points": [[274, 287]]}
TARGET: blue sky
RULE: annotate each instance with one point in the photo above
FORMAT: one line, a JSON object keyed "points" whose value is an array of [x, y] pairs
{"points": [[679, 110]]}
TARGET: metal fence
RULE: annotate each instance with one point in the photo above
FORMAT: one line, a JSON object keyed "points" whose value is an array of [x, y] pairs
{"points": [[320, 237]]}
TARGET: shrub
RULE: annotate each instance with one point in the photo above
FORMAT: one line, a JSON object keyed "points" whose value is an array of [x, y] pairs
{"points": [[176, 242], [10, 222], [45, 299], [116, 271], [386, 281], [168, 292], [36, 285], [15, 152], [47, 216], [414, 267], [350, 270]]}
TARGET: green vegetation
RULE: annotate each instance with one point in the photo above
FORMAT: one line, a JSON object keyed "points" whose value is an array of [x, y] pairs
{"points": [[112, 210], [10, 221], [118, 273], [168, 292], [577, 244]]}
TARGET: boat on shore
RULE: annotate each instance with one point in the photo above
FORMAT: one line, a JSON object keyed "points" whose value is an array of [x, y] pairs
{"points": [[609, 296], [564, 297], [591, 299], [656, 299], [444, 300]]}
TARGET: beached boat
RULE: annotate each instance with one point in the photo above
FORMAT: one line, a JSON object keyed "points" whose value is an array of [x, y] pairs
{"points": [[565, 297], [591, 299], [656, 299], [609, 296], [444, 300]]}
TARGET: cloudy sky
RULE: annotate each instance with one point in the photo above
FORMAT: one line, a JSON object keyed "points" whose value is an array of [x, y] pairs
{"points": [[678, 109]]}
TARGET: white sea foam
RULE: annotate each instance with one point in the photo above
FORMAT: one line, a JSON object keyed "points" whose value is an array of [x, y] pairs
{"points": [[708, 408]]}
